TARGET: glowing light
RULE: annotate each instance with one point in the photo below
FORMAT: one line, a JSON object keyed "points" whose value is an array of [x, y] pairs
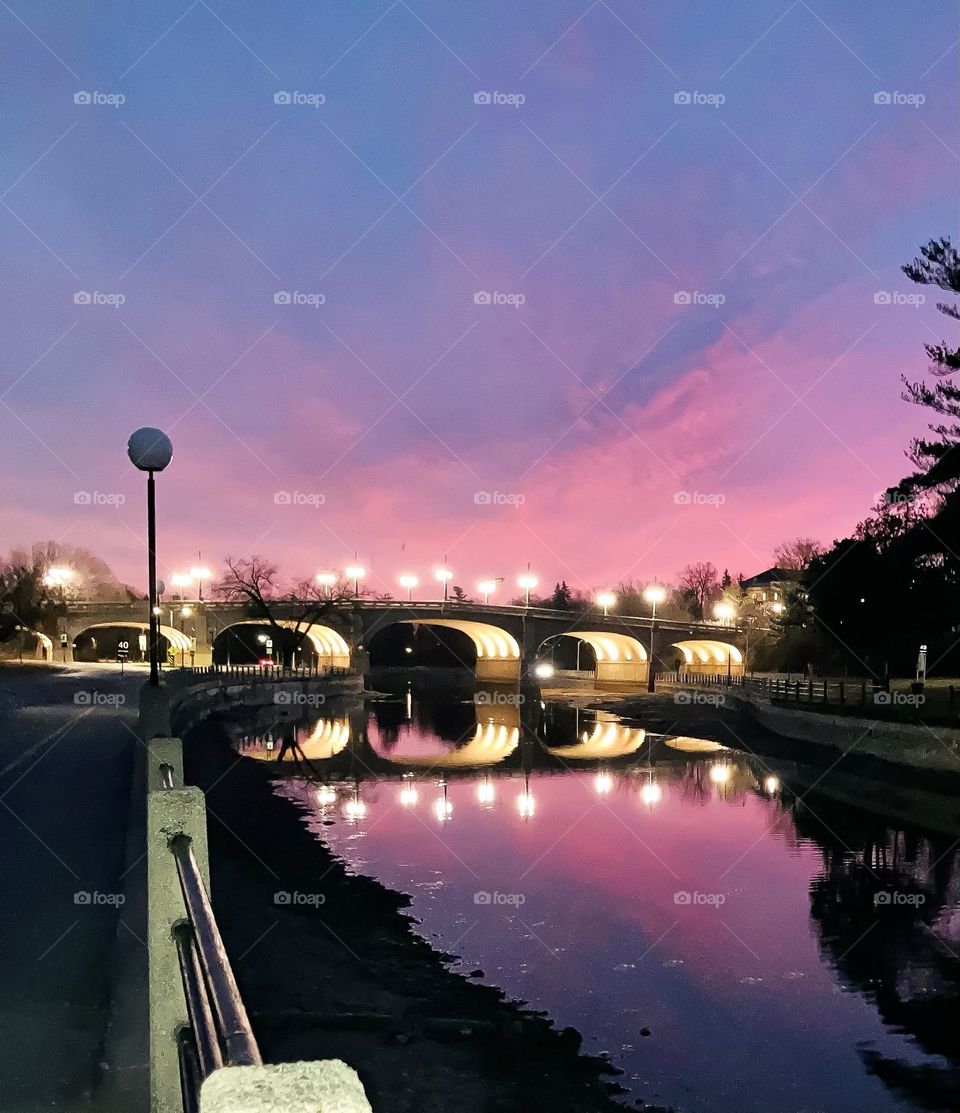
{"points": [[526, 805], [355, 810], [721, 773], [655, 594], [409, 796], [603, 783], [771, 784], [543, 671], [486, 589], [186, 612], [724, 612], [200, 574], [606, 599], [442, 809], [777, 608], [408, 582], [443, 574], [57, 577], [326, 795], [527, 582], [651, 793], [355, 572], [326, 579], [486, 794]]}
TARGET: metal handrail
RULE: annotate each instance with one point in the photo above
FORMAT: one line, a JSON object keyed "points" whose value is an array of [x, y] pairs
{"points": [[226, 1007]]}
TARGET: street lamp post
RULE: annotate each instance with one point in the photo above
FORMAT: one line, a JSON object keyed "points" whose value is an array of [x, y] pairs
{"points": [[527, 582], [654, 594], [408, 582], [355, 572], [726, 612], [150, 451], [606, 599], [327, 580], [486, 589], [444, 575]]}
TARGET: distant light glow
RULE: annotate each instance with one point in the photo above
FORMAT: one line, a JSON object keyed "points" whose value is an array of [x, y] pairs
{"points": [[655, 594], [543, 670], [486, 794], [603, 783], [326, 795], [721, 773], [526, 805], [651, 793], [771, 784]]}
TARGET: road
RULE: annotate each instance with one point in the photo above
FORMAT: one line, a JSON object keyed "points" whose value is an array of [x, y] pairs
{"points": [[67, 749]]}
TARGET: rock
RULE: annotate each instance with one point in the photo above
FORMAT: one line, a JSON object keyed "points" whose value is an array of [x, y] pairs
{"points": [[645, 1032], [475, 974]]}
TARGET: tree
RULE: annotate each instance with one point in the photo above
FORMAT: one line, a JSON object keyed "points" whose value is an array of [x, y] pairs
{"points": [[459, 595], [937, 463], [255, 582], [561, 598], [699, 587], [796, 555]]}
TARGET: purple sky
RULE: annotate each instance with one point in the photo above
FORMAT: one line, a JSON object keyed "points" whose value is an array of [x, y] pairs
{"points": [[386, 411]]}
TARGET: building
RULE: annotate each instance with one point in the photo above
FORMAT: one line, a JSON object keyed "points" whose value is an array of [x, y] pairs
{"points": [[771, 589]]}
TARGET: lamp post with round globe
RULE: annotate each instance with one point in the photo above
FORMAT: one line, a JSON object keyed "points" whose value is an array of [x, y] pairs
{"points": [[606, 599], [150, 451], [653, 594]]}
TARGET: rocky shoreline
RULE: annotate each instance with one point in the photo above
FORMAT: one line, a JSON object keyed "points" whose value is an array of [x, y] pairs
{"points": [[345, 975]]}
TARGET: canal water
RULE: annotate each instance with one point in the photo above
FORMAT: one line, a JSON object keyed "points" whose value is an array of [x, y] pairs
{"points": [[729, 946]]}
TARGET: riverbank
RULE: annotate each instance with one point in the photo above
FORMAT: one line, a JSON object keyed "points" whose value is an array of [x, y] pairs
{"points": [[330, 966]]}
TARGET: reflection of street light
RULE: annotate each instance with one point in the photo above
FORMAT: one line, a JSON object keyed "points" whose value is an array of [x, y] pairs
{"points": [[150, 451], [651, 793], [442, 808], [408, 794], [603, 783], [408, 582], [444, 575], [485, 792], [606, 599], [486, 589], [527, 581], [355, 572], [721, 773], [653, 594]]}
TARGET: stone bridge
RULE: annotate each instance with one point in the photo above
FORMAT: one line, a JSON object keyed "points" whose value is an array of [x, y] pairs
{"points": [[508, 640]]}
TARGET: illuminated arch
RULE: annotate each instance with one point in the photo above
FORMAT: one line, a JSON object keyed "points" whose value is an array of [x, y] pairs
{"points": [[498, 652], [174, 637], [708, 656], [329, 645], [606, 740], [620, 657], [491, 743]]}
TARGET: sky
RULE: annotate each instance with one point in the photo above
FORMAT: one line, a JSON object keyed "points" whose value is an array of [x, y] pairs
{"points": [[605, 288]]}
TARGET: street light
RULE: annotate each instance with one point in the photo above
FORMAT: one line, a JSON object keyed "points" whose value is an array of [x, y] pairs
{"points": [[185, 613], [327, 580], [355, 572], [725, 613], [181, 580], [199, 575], [486, 589], [526, 581], [150, 451], [606, 599], [408, 582], [653, 594], [444, 575]]}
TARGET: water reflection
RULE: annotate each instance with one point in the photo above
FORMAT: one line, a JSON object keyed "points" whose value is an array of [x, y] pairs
{"points": [[786, 951]]}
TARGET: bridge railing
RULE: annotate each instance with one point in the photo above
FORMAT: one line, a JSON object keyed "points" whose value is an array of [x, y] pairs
{"points": [[699, 679], [198, 1022], [842, 693], [270, 672]]}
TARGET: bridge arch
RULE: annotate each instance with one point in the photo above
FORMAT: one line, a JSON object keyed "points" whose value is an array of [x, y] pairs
{"points": [[706, 655], [328, 645], [498, 651], [177, 640], [620, 658]]}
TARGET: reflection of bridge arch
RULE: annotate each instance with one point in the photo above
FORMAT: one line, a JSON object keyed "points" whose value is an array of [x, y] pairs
{"points": [[329, 645], [709, 656], [175, 638], [498, 652], [491, 743], [605, 740], [620, 657]]}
